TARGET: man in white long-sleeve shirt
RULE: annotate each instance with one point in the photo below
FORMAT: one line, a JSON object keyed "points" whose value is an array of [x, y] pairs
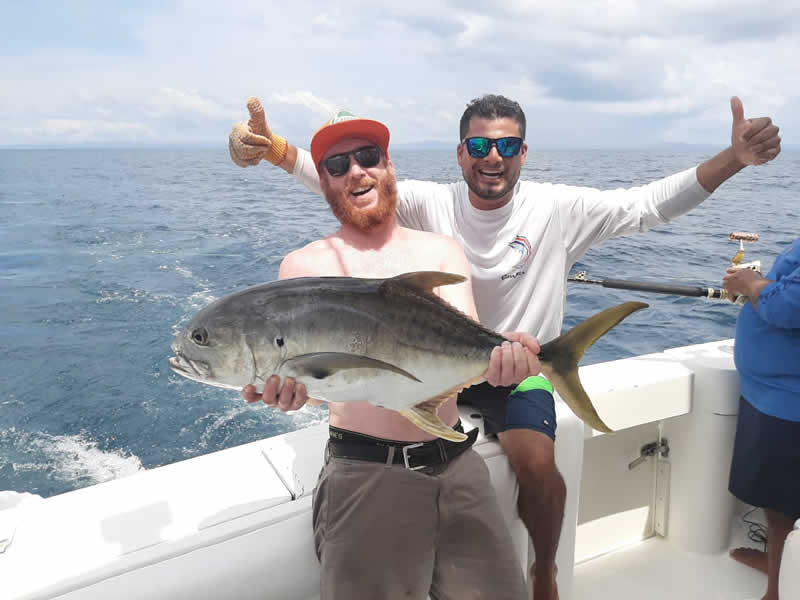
{"points": [[521, 239]]}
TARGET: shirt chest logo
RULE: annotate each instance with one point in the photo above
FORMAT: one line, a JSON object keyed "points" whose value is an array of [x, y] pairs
{"points": [[522, 247], [521, 251]]}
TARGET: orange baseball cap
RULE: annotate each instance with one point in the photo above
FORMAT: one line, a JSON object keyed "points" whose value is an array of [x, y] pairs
{"points": [[345, 124]]}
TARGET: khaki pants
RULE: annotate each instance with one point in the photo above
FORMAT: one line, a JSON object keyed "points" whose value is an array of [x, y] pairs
{"points": [[385, 532]]}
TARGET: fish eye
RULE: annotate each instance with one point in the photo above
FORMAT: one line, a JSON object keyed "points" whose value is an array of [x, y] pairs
{"points": [[279, 342], [200, 336]]}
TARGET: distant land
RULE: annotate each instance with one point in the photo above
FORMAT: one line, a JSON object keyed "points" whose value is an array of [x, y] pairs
{"points": [[664, 146], [433, 145]]}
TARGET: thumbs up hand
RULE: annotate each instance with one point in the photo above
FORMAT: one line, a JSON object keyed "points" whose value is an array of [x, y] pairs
{"points": [[754, 141], [257, 122], [249, 142]]}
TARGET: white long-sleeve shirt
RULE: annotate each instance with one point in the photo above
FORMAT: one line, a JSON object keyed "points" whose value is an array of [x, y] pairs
{"points": [[521, 254]]}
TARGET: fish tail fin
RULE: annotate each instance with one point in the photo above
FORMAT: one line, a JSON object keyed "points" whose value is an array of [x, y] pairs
{"points": [[560, 358], [426, 417]]}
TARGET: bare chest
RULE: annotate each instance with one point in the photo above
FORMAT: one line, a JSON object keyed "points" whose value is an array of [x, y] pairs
{"points": [[386, 262]]}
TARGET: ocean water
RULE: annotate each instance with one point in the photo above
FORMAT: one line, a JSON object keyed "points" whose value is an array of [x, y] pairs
{"points": [[105, 254]]}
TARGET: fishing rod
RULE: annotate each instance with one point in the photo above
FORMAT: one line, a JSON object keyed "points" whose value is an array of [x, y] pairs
{"points": [[681, 290]]}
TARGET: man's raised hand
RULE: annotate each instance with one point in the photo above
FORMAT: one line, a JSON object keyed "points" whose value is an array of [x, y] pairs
{"points": [[249, 142], [754, 141]]}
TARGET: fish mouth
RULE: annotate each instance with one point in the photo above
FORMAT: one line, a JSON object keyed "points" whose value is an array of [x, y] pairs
{"points": [[197, 370], [193, 369]]}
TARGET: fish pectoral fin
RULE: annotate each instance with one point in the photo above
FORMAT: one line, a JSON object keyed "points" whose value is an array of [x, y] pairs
{"points": [[320, 365], [426, 417], [571, 391], [426, 281]]}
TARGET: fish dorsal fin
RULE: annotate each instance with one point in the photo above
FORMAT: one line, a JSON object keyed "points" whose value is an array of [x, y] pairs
{"points": [[425, 281], [320, 365]]}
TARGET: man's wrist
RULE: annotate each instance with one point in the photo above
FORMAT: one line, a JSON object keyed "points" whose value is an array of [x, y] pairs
{"points": [[757, 286], [716, 170], [277, 151]]}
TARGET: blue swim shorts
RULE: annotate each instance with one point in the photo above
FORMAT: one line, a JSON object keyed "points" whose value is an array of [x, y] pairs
{"points": [[529, 405], [765, 469]]}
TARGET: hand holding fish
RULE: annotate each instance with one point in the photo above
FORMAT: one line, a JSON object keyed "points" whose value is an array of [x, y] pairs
{"points": [[286, 394], [754, 141], [514, 361]]}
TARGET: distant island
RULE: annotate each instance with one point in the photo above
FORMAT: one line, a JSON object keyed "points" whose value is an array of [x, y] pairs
{"points": [[432, 145]]}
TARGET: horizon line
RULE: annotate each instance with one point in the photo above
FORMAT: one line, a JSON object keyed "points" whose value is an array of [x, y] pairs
{"points": [[421, 145]]}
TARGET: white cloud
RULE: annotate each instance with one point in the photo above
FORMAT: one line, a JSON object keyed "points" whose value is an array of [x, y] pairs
{"points": [[477, 28], [171, 101], [650, 71], [319, 106], [94, 130], [80, 131]]}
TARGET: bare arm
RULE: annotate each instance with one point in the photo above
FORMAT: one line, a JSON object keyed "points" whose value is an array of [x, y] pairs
{"points": [[455, 261], [753, 142]]}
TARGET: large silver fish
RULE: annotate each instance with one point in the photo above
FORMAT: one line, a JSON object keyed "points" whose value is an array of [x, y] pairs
{"points": [[391, 342]]}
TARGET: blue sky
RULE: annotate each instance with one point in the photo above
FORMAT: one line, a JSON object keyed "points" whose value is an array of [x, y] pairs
{"points": [[588, 74]]}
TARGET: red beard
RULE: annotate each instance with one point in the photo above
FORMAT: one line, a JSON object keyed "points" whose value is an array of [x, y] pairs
{"points": [[364, 219]]}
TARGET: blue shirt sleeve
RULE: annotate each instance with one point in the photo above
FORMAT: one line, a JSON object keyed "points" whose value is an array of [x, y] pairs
{"points": [[779, 302]]}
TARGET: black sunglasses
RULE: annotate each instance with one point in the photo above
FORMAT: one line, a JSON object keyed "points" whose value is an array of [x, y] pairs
{"points": [[479, 147], [339, 164]]}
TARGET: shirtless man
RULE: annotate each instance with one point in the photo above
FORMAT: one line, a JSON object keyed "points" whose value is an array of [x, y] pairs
{"points": [[388, 523]]}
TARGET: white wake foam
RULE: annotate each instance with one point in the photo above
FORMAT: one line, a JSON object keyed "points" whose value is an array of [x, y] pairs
{"points": [[73, 458]]}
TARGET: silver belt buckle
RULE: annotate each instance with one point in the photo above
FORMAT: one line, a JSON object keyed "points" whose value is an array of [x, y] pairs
{"points": [[405, 456]]}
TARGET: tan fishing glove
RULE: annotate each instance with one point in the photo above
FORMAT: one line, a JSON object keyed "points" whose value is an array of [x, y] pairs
{"points": [[253, 141]]}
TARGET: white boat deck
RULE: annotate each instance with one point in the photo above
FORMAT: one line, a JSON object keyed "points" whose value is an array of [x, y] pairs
{"points": [[657, 570]]}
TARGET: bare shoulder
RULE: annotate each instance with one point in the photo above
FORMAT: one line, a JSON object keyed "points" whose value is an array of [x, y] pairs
{"points": [[448, 252], [433, 240], [308, 261]]}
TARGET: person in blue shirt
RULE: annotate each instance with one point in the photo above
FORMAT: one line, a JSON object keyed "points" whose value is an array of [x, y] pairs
{"points": [[765, 469]]}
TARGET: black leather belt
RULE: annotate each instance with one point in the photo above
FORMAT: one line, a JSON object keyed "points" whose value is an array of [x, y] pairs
{"points": [[414, 456]]}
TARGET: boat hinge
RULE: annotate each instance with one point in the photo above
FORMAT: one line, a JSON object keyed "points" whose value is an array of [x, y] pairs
{"points": [[660, 447]]}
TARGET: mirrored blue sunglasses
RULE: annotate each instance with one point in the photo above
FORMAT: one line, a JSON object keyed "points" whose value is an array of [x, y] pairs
{"points": [[479, 147]]}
